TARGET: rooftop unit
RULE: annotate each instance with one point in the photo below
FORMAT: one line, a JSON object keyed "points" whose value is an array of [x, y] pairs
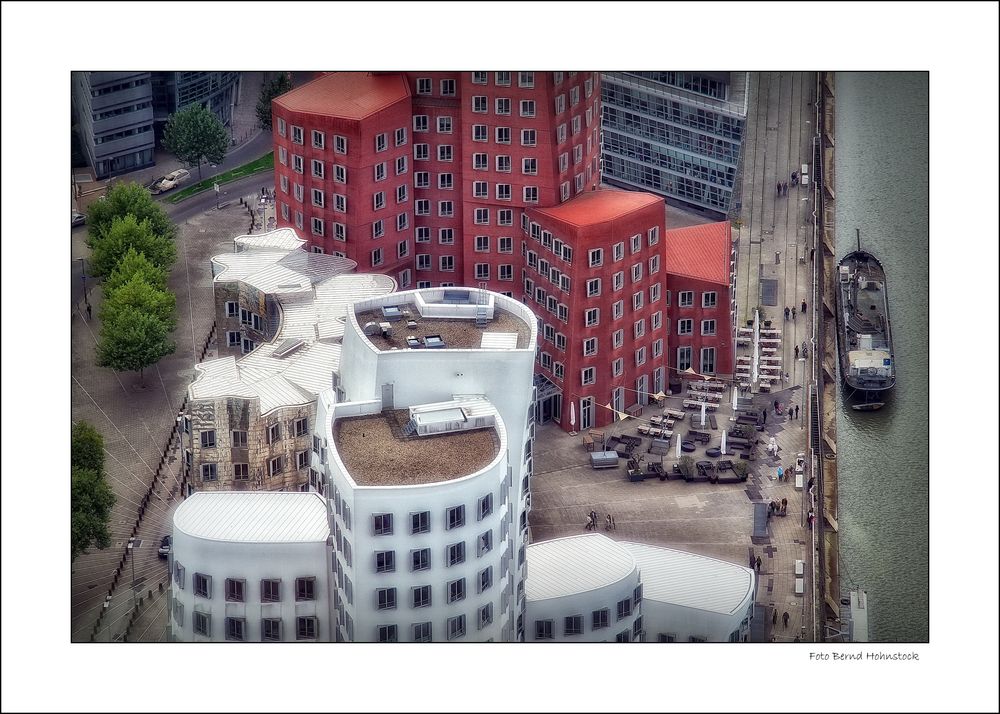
{"points": [[449, 417]]}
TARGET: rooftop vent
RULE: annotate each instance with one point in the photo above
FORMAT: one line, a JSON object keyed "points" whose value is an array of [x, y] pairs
{"points": [[445, 418], [286, 347], [433, 342]]}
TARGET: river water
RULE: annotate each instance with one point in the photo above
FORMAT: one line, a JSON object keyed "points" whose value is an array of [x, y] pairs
{"points": [[881, 186]]}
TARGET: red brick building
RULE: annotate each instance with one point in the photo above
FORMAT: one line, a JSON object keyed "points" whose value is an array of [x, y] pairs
{"points": [[594, 274], [700, 263], [426, 175]]}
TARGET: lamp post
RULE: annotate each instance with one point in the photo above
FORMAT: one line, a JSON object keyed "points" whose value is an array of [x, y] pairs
{"points": [[83, 275]]}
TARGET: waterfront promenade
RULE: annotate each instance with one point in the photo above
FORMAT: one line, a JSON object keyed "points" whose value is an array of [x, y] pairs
{"points": [[717, 519]]}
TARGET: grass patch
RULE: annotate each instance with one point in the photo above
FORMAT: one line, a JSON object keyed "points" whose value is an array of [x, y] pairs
{"points": [[264, 163]]}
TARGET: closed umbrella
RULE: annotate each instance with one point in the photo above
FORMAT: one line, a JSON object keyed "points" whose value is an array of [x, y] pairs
{"points": [[678, 451], [723, 441], [572, 415], [704, 406]]}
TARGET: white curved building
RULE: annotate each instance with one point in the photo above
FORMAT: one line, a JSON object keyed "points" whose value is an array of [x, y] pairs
{"points": [[583, 588], [251, 567], [426, 449]]}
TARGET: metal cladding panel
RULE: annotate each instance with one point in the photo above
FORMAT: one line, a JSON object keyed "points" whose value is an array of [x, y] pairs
{"points": [[578, 564], [689, 580], [259, 517]]}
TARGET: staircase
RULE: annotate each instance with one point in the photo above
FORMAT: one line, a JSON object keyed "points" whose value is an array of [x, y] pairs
{"points": [[482, 303]]}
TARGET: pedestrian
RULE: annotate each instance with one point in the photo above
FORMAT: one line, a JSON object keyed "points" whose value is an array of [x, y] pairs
{"points": [[803, 307], [812, 253], [784, 506], [784, 619], [781, 473], [793, 313], [774, 618], [775, 406], [763, 416], [90, 310], [607, 525], [784, 188], [758, 563], [786, 313], [796, 351], [794, 174], [778, 189], [812, 480], [796, 411]]}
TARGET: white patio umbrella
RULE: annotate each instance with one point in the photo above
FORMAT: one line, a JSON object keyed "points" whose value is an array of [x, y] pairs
{"points": [[572, 416], [677, 453], [723, 441], [704, 406]]}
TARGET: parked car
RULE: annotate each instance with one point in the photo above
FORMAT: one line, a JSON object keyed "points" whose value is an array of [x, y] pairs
{"points": [[171, 180], [164, 549], [78, 219]]}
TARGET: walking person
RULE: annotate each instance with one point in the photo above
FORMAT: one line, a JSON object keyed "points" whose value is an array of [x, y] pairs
{"points": [[778, 189], [763, 416], [607, 524], [781, 474], [90, 310], [796, 411], [774, 618], [793, 313], [784, 619], [796, 351], [758, 563], [786, 313], [803, 307], [784, 188]]}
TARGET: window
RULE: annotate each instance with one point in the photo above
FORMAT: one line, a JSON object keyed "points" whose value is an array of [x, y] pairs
{"points": [[479, 77], [306, 627], [339, 231], [273, 433], [685, 298], [403, 247], [456, 627], [617, 338], [484, 544], [420, 122], [202, 622], [708, 299], [655, 320], [543, 630], [485, 580], [385, 599], [485, 615], [684, 327], [423, 261], [622, 636], [424, 85], [297, 134], [283, 156], [482, 271], [340, 144], [236, 629], [482, 244], [588, 375], [387, 633], [617, 367], [707, 360], [385, 561], [526, 79], [232, 309], [503, 165], [485, 506], [573, 625], [420, 559], [683, 358], [298, 164], [402, 223], [208, 438], [420, 596], [480, 132], [624, 608], [505, 217], [381, 143], [203, 585], [640, 356], [421, 152], [528, 137], [382, 523], [527, 107], [400, 136], [282, 130], [444, 125], [209, 472], [654, 236], [317, 228], [505, 244], [455, 553], [455, 517], [618, 280], [592, 317], [317, 170], [447, 87], [420, 522], [446, 263], [480, 189], [596, 257], [637, 300], [446, 209], [503, 191], [380, 171], [590, 346], [422, 179], [480, 162], [593, 287], [708, 327], [340, 203], [502, 79], [480, 104], [270, 590], [241, 472], [505, 272], [531, 194], [657, 348], [637, 272], [639, 329], [456, 590], [376, 255], [179, 575], [654, 292], [305, 589], [400, 170], [422, 632], [503, 135], [270, 629], [276, 466], [235, 590]]}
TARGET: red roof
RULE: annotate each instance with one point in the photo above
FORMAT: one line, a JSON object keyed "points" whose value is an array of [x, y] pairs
{"points": [[348, 95], [595, 207], [701, 252]]}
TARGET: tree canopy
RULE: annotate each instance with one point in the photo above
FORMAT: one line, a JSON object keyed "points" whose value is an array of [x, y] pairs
{"points": [[124, 233], [121, 200], [91, 499], [132, 341], [275, 88], [194, 134], [142, 296], [135, 265]]}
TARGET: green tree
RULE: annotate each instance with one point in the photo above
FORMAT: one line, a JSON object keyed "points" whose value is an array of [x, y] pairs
{"points": [[127, 232], [91, 498], [275, 88], [124, 199], [142, 296], [86, 448], [91, 501], [132, 341], [135, 265], [195, 134]]}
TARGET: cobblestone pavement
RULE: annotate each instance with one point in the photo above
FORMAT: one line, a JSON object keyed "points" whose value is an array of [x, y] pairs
{"points": [[137, 422]]}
